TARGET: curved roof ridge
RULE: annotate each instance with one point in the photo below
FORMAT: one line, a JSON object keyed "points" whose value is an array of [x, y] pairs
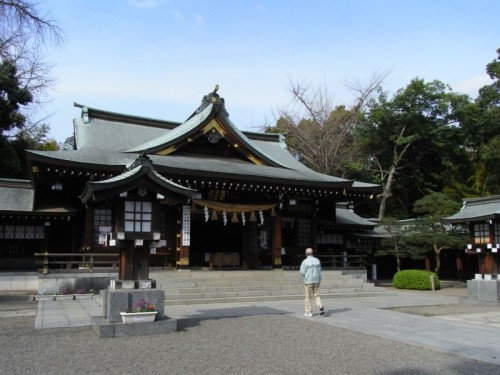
{"points": [[252, 145], [179, 131], [134, 173]]}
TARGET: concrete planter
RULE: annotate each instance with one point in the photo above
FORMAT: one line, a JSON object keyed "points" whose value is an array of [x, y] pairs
{"points": [[138, 317]]}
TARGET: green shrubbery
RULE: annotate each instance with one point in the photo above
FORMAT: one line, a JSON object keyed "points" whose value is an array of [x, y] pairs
{"points": [[415, 279]]}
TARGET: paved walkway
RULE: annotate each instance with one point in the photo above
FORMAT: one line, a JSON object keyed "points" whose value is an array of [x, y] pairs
{"points": [[475, 335]]}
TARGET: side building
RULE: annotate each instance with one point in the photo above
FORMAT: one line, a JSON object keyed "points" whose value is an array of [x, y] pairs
{"points": [[481, 216], [200, 193]]}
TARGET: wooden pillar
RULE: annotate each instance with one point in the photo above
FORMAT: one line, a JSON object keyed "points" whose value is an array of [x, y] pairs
{"points": [[126, 269], [89, 222], [460, 267], [427, 263], [277, 241], [142, 256], [314, 231], [134, 263], [489, 263], [481, 263]]}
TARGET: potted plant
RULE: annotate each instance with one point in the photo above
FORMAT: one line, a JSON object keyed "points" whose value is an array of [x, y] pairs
{"points": [[143, 312]]}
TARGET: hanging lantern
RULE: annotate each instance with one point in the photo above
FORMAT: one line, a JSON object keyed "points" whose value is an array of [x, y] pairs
{"points": [[261, 217], [214, 215], [273, 212], [205, 213], [234, 218], [224, 217], [252, 218], [243, 219]]}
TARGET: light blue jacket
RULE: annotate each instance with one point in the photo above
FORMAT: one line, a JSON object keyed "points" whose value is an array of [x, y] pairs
{"points": [[311, 270]]}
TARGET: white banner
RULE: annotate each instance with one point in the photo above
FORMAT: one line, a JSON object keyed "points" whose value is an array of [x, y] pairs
{"points": [[186, 225]]}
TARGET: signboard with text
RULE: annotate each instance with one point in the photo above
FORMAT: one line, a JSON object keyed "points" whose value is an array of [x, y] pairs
{"points": [[186, 225]]}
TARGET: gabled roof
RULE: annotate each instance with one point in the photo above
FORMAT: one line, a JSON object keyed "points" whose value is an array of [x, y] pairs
{"points": [[108, 141], [210, 120], [142, 168], [477, 209], [348, 217], [18, 197]]}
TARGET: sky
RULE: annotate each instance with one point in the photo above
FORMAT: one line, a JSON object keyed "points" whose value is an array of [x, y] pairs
{"points": [[158, 58]]}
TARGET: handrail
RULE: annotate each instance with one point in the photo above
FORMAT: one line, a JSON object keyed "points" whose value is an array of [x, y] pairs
{"points": [[342, 261], [87, 261]]}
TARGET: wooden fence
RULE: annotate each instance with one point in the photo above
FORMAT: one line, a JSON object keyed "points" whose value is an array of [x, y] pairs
{"points": [[83, 262]]}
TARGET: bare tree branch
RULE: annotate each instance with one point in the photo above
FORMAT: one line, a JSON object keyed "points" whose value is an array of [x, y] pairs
{"points": [[320, 133], [23, 30]]}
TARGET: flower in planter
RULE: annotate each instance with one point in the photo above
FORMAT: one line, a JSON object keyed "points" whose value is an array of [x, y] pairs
{"points": [[142, 306]]}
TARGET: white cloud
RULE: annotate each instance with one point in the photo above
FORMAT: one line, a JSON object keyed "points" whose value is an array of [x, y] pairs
{"points": [[198, 18], [472, 85], [177, 15], [146, 3]]}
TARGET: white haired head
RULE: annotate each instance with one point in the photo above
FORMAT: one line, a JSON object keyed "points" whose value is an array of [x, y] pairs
{"points": [[309, 251]]}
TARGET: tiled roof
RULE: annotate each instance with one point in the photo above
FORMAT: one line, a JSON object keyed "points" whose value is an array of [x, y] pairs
{"points": [[477, 209], [348, 217], [172, 135], [110, 142], [16, 195], [136, 172]]}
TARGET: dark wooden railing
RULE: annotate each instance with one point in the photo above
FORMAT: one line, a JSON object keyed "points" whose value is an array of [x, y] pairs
{"points": [[83, 262], [345, 262]]}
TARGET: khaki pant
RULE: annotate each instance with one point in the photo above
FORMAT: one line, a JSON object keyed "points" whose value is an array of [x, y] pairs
{"points": [[312, 291]]}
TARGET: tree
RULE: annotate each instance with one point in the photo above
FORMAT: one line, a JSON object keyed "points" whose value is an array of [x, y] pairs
{"points": [[404, 139], [480, 127], [395, 243], [23, 31], [12, 98], [24, 78], [319, 133], [429, 229]]}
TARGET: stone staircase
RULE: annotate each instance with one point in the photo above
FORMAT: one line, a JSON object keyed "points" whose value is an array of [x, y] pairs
{"points": [[202, 287]]}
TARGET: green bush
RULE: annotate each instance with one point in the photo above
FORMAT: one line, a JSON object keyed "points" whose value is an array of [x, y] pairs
{"points": [[415, 279]]}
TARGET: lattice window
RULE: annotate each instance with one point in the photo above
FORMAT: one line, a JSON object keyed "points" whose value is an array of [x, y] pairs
{"points": [[102, 218], [330, 238], [22, 232], [304, 232], [138, 216], [496, 234], [481, 233]]}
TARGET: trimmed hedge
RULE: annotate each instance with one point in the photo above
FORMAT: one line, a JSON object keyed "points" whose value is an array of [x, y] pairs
{"points": [[415, 279]]}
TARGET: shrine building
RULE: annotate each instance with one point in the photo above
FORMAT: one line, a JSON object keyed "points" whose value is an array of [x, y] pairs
{"points": [[196, 194]]}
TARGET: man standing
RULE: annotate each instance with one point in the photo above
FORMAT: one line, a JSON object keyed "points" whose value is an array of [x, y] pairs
{"points": [[311, 270]]}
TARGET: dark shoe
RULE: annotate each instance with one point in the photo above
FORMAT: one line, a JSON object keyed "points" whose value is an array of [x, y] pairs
{"points": [[322, 311]]}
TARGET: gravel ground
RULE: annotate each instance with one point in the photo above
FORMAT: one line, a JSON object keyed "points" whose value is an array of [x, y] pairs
{"points": [[270, 344]]}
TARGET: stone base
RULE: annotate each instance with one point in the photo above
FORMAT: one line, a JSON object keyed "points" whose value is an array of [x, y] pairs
{"points": [[57, 283], [483, 290], [104, 329], [132, 284], [116, 301]]}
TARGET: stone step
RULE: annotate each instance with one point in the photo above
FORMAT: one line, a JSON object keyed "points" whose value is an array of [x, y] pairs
{"points": [[188, 287], [172, 302], [206, 288], [239, 275], [183, 293], [250, 284]]}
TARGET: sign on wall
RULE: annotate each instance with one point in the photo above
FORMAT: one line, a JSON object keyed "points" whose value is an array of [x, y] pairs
{"points": [[186, 225]]}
